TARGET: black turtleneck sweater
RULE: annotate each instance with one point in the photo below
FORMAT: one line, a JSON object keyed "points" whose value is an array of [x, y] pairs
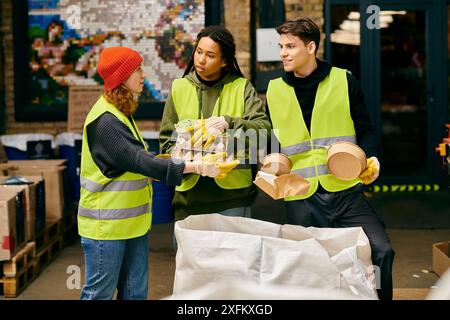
{"points": [[306, 89], [115, 151]]}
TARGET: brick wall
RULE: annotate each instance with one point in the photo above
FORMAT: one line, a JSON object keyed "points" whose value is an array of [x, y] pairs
{"points": [[312, 9], [2, 81], [237, 20]]}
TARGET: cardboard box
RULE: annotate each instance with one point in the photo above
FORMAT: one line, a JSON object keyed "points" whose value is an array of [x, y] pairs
{"points": [[441, 257], [52, 172], [8, 242], [34, 163], [81, 100], [12, 235], [279, 187], [20, 214], [30, 191]]}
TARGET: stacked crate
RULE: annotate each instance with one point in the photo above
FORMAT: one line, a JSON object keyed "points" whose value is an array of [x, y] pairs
{"points": [[35, 221]]}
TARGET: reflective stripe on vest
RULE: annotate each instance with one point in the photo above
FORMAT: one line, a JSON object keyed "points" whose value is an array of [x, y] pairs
{"points": [[114, 214], [230, 102], [330, 122], [316, 144], [112, 208], [114, 185]]}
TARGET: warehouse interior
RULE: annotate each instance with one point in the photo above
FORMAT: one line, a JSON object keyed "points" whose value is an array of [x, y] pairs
{"points": [[48, 83]]}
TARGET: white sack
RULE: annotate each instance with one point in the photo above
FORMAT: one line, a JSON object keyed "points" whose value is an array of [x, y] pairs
{"points": [[213, 248]]}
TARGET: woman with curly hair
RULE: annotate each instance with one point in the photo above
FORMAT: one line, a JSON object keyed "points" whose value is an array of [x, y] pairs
{"points": [[114, 212]]}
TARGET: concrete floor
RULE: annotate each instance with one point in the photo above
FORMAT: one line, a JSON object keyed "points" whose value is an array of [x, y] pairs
{"points": [[412, 267]]}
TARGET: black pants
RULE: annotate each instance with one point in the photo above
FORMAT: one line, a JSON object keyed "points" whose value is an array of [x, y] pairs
{"points": [[348, 208]]}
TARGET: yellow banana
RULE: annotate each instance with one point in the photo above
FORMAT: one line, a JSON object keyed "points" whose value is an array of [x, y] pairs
{"points": [[198, 143], [198, 132], [196, 136], [209, 141]]}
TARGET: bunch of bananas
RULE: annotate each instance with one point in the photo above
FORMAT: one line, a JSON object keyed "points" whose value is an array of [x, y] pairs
{"points": [[202, 137]]}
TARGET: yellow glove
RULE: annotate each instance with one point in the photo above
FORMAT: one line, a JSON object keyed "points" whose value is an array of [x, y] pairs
{"points": [[206, 169], [207, 166], [226, 167], [372, 171], [219, 159]]}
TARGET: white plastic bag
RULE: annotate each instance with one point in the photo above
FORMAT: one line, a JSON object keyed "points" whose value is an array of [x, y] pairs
{"points": [[213, 248]]}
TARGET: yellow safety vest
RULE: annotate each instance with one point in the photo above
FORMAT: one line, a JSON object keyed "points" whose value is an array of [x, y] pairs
{"points": [[112, 208], [232, 103], [330, 122]]}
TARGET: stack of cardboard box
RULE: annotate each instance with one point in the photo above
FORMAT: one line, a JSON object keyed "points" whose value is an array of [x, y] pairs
{"points": [[25, 208], [52, 172], [34, 203]]}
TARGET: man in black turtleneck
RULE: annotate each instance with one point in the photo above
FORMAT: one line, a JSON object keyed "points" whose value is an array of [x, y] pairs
{"points": [[314, 105]]}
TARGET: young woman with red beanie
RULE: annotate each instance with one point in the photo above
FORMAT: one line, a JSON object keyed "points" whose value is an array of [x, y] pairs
{"points": [[114, 214]]}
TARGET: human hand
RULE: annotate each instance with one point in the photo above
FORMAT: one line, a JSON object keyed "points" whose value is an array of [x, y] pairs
{"points": [[218, 123], [372, 171], [206, 169], [220, 160]]}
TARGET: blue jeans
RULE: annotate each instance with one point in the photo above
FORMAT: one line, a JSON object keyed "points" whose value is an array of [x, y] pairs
{"points": [[111, 264]]}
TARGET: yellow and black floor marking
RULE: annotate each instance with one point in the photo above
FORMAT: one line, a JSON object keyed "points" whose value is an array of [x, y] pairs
{"points": [[404, 188]]}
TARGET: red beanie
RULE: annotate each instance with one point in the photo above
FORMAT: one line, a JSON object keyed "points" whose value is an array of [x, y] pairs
{"points": [[116, 64]]}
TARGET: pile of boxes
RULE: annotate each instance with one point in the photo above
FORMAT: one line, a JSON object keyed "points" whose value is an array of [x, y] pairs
{"points": [[25, 208]]}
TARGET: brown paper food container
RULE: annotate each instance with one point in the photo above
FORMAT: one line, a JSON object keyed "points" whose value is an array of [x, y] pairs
{"points": [[277, 164], [279, 187], [346, 160]]}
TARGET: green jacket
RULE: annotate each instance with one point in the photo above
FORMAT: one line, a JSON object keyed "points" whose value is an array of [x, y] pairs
{"points": [[207, 196]]}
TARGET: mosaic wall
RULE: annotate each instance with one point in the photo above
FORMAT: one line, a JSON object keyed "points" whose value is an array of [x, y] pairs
{"points": [[66, 37]]}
